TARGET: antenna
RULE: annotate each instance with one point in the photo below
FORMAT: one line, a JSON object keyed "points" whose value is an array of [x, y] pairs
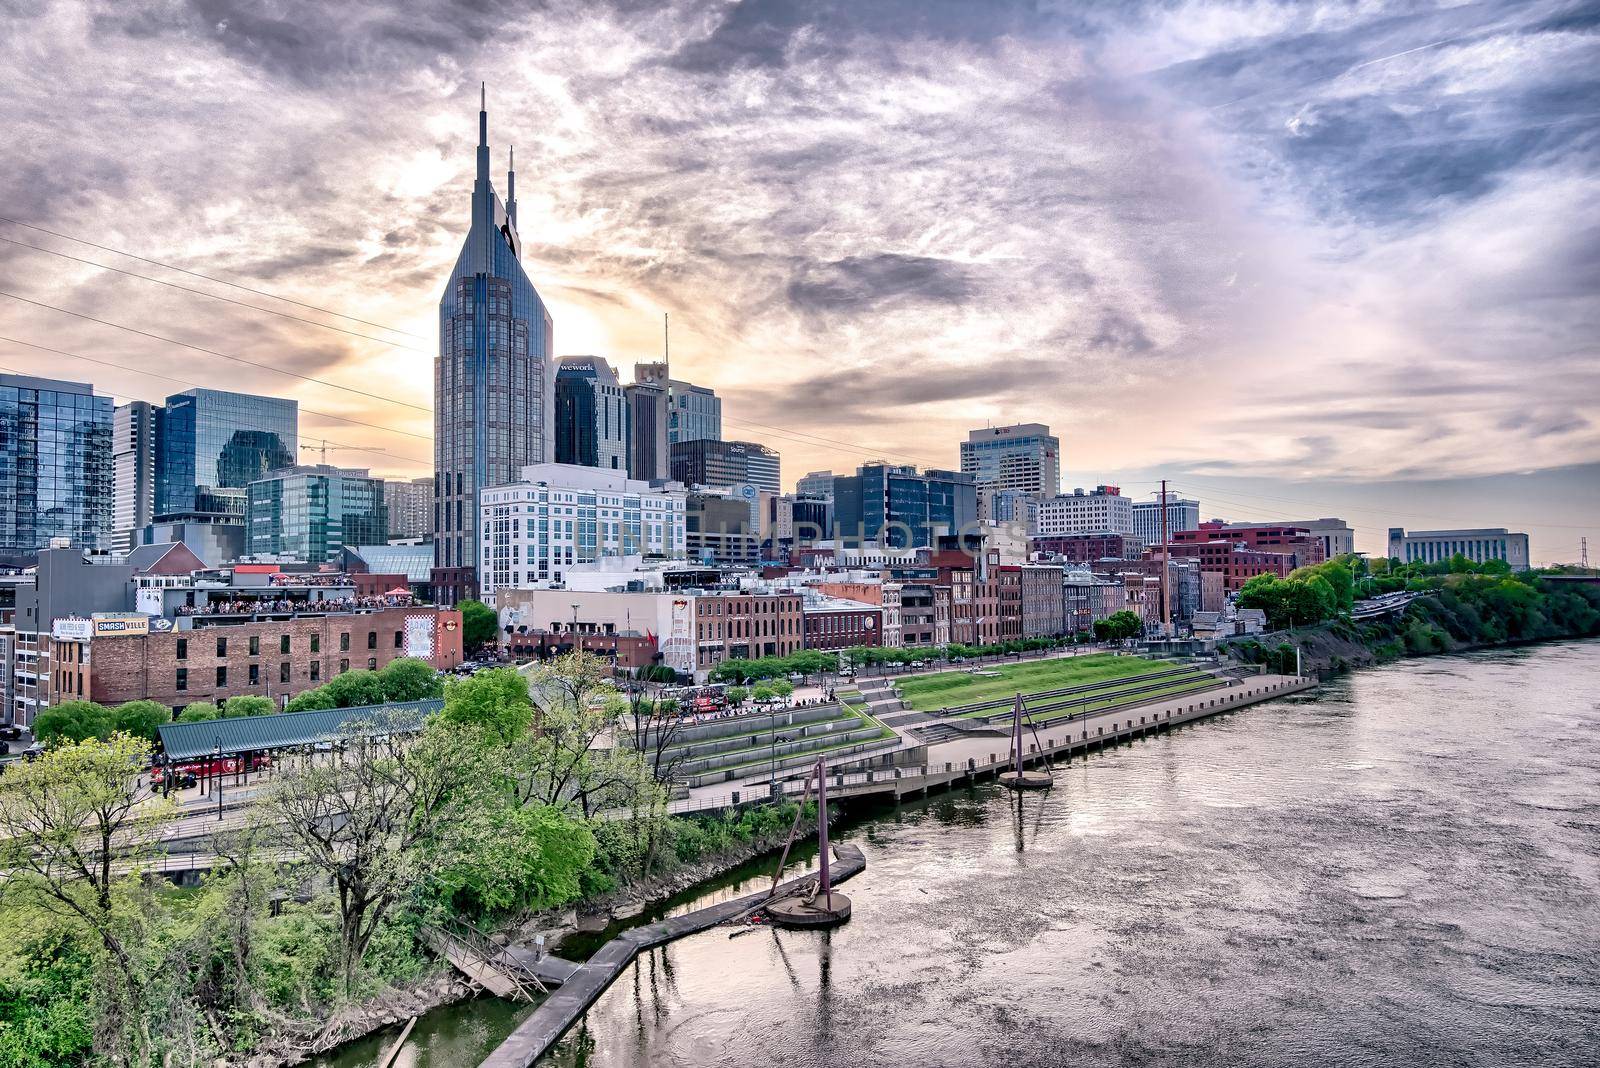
{"points": [[666, 338], [1583, 553]]}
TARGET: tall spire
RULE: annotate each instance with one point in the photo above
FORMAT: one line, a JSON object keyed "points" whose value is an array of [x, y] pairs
{"points": [[511, 187]]}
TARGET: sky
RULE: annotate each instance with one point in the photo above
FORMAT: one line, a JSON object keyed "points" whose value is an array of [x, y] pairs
{"points": [[1301, 259]]}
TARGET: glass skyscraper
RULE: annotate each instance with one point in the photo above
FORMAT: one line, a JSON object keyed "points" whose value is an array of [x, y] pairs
{"points": [[694, 413], [493, 382], [211, 444], [310, 513], [901, 509], [591, 415], [55, 464]]}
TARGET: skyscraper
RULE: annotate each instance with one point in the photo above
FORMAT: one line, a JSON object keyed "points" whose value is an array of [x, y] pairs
{"points": [[1182, 514], [647, 421], [591, 415], [695, 413], [410, 507], [709, 462], [895, 506], [55, 464], [310, 513], [134, 429], [493, 381], [1024, 457], [211, 444]]}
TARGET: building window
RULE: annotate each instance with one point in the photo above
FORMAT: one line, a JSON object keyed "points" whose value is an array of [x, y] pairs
{"points": [[283, 644], [344, 665], [316, 643], [255, 645], [222, 677], [222, 647], [255, 674], [372, 639], [283, 672], [399, 639], [180, 681], [183, 648], [316, 670], [372, 663], [344, 642]]}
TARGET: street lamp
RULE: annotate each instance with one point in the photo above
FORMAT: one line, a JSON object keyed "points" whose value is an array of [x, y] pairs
{"points": [[217, 753], [574, 628]]}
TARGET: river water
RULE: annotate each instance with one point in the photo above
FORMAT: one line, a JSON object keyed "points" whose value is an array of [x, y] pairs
{"points": [[1400, 868]]}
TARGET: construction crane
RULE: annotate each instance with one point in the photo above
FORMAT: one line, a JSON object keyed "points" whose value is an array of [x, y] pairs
{"points": [[322, 449]]}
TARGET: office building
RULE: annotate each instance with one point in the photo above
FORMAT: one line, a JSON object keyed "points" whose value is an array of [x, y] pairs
{"points": [[648, 416], [816, 484], [1087, 548], [55, 465], [211, 444], [1296, 542], [410, 508], [1182, 514], [310, 513], [1043, 603], [493, 383], [895, 506], [1478, 545], [1337, 537], [1025, 457], [591, 420], [709, 462], [1009, 507], [1102, 510], [720, 530], [695, 413], [559, 516], [134, 427]]}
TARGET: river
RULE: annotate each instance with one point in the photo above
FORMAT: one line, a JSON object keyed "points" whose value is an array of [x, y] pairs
{"points": [[1401, 867]]}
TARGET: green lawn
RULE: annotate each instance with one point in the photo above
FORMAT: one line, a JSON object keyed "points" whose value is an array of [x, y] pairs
{"points": [[1186, 685], [930, 693]]}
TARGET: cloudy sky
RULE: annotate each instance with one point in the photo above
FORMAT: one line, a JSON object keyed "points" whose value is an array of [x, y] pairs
{"points": [[1301, 258]]}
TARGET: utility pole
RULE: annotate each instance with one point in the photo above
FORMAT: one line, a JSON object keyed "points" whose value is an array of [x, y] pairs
{"points": [[1583, 553], [1166, 605]]}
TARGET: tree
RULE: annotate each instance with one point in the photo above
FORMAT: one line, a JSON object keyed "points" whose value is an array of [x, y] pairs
{"points": [[141, 719], [248, 705], [496, 701], [73, 721], [410, 679], [1117, 626], [736, 695], [66, 820], [199, 712], [507, 857], [556, 762], [372, 822], [312, 701], [355, 689], [479, 625]]}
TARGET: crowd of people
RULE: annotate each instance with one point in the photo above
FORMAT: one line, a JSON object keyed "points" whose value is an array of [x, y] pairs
{"points": [[274, 605]]}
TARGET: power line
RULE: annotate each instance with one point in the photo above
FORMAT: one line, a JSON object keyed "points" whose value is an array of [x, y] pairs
{"points": [[214, 352], [213, 296], [193, 385], [209, 278]]}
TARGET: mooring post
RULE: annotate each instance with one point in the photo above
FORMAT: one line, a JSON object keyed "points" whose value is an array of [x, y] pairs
{"points": [[822, 828]]}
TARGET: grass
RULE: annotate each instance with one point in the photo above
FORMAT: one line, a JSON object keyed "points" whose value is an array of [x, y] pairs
{"points": [[930, 693], [1176, 689]]}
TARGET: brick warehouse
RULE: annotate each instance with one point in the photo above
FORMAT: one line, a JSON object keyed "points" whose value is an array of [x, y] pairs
{"points": [[115, 660]]}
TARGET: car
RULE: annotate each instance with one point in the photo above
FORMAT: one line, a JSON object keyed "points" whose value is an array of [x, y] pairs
{"points": [[847, 673], [10, 732], [919, 663], [33, 752]]}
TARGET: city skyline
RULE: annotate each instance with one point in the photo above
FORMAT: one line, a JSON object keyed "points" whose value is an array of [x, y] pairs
{"points": [[1331, 255]]}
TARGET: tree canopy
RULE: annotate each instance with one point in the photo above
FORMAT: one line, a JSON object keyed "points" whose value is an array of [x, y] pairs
{"points": [[479, 624]]}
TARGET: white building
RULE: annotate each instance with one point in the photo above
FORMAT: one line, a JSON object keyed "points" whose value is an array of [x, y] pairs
{"points": [[133, 451], [410, 508], [1338, 539], [1478, 545], [560, 515], [1024, 457], [1182, 514], [1102, 509]]}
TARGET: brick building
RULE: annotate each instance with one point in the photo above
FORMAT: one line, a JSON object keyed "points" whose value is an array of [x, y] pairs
{"points": [[746, 625], [1087, 548], [831, 623], [1043, 606], [1305, 548]]}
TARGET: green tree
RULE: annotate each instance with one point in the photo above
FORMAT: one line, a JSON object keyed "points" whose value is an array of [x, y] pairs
{"points": [[736, 695], [497, 701], [248, 705], [199, 712], [355, 689], [479, 625], [73, 721], [508, 857], [316, 700], [410, 679], [141, 718]]}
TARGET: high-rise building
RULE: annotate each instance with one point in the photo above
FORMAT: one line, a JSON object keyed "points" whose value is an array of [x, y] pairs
{"points": [[710, 462], [897, 507], [1024, 457], [133, 457], [591, 415], [1182, 514], [211, 444], [1478, 545], [648, 416], [311, 513], [55, 464], [410, 508], [493, 383], [815, 484], [695, 413], [1102, 510]]}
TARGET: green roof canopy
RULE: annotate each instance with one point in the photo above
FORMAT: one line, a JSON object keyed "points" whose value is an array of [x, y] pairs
{"points": [[288, 730]]}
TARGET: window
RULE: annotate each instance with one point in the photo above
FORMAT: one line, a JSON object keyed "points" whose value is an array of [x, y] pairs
{"points": [[316, 670], [399, 639], [283, 644], [283, 672], [181, 681], [344, 665], [372, 639], [222, 677], [344, 642], [183, 649], [255, 674], [372, 663], [222, 647], [316, 643], [255, 645]]}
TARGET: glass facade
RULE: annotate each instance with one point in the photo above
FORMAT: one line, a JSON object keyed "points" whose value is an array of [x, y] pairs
{"points": [[1024, 457], [55, 464], [212, 444], [492, 382], [309, 514], [591, 421], [901, 509], [694, 413]]}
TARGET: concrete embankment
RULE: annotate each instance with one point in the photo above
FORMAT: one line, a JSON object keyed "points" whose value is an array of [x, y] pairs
{"points": [[534, 1037]]}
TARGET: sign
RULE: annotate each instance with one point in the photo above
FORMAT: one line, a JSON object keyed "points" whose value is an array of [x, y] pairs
{"points": [[419, 637], [72, 630], [119, 625]]}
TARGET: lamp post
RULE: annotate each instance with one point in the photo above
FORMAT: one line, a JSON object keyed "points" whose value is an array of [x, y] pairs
{"points": [[575, 628], [217, 753]]}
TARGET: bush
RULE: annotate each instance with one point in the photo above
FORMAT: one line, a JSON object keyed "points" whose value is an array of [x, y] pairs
{"points": [[199, 712], [248, 705], [74, 721], [410, 679], [141, 718]]}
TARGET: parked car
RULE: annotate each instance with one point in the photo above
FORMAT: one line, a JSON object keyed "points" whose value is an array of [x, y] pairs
{"points": [[919, 663], [33, 752], [10, 732]]}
